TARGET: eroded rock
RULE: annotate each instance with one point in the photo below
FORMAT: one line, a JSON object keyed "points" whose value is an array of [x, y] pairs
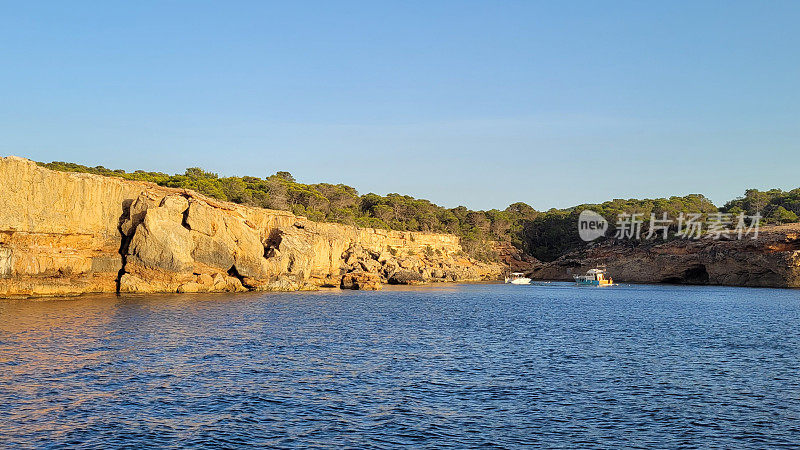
{"points": [[406, 277], [364, 281]]}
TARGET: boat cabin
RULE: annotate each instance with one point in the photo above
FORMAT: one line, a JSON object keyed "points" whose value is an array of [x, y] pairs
{"points": [[595, 277]]}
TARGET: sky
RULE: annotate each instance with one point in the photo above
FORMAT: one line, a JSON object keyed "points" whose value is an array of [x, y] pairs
{"points": [[474, 103]]}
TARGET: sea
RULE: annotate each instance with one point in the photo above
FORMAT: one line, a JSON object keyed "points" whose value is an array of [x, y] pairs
{"points": [[547, 365]]}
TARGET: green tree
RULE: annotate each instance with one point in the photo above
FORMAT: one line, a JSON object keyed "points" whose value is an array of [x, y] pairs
{"points": [[782, 215], [196, 172], [285, 176]]}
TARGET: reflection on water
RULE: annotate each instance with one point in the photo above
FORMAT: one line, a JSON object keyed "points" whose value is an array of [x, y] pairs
{"points": [[460, 365]]}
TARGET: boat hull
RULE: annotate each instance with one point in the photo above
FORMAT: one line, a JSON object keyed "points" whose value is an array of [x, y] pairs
{"points": [[593, 283]]}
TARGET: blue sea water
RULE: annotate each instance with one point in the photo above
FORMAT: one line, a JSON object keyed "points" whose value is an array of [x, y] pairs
{"points": [[463, 366]]}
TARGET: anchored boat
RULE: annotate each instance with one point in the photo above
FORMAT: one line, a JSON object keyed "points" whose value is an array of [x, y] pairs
{"points": [[594, 277], [518, 278]]}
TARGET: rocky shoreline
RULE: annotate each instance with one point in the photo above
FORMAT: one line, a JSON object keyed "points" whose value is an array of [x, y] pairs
{"points": [[65, 234], [71, 233], [771, 260]]}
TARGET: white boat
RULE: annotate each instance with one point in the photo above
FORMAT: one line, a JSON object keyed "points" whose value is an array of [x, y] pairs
{"points": [[594, 277], [517, 278]]}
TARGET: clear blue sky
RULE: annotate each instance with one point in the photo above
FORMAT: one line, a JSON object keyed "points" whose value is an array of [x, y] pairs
{"points": [[463, 102]]}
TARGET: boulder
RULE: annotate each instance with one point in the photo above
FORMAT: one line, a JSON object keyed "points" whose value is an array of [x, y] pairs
{"points": [[201, 218], [390, 267], [406, 277], [364, 281], [407, 263], [370, 265], [161, 242], [233, 284], [189, 287], [176, 204], [205, 279]]}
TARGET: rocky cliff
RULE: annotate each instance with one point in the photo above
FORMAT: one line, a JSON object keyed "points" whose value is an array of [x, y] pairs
{"points": [[70, 233], [771, 260]]}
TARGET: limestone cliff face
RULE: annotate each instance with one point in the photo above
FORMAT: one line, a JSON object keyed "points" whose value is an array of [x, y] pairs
{"points": [[771, 260], [69, 233]]}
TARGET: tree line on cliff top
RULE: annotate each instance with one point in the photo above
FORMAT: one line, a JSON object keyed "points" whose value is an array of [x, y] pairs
{"points": [[544, 235]]}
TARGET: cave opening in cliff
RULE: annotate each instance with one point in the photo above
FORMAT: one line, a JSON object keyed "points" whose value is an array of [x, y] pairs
{"points": [[272, 244], [693, 275], [696, 275]]}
